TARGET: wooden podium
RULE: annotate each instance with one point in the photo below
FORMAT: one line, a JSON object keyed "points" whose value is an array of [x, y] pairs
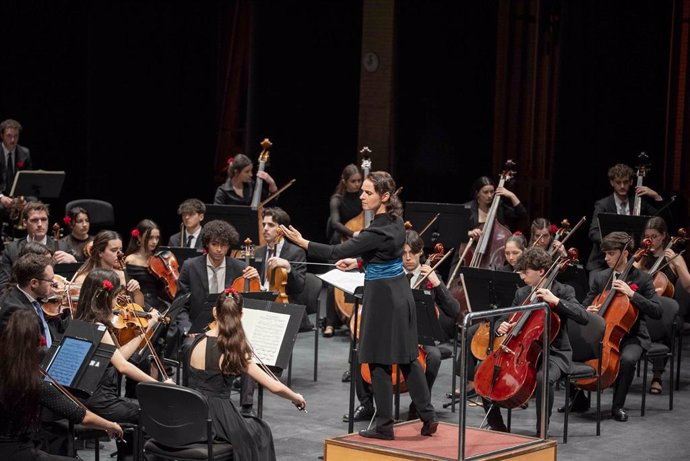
{"points": [[443, 445]]}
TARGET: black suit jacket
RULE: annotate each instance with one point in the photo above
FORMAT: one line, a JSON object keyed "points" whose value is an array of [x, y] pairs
{"points": [[14, 300], [11, 253], [22, 161], [194, 279], [608, 205], [560, 352], [298, 272], [174, 241], [644, 299]]}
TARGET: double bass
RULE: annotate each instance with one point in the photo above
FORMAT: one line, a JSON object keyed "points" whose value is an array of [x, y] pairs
{"points": [[642, 170], [508, 376], [620, 316]]}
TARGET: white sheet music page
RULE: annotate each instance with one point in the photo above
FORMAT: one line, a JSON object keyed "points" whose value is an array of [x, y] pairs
{"points": [[265, 331], [346, 281]]}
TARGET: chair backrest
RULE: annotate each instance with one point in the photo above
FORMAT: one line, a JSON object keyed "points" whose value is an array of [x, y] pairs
{"points": [[661, 330], [101, 214], [310, 295], [173, 415], [585, 339]]}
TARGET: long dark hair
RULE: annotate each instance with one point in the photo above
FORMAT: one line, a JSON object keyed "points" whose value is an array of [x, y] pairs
{"points": [[239, 163], [383, 182], [232, 343], [143, 235], [348, 172], [96, 297], [20, 378], [100, 243]]}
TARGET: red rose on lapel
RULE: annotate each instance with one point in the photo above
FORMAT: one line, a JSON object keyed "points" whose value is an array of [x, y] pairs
{"points": [[429, 285], [20, 164], [360, 264], [634, 287]]}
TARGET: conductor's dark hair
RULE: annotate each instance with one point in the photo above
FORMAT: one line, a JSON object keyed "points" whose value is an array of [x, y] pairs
{"points": [[384, 183]]}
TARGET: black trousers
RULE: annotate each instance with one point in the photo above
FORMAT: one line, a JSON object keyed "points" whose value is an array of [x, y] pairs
{"points": [[383, 393], [631, 351]]}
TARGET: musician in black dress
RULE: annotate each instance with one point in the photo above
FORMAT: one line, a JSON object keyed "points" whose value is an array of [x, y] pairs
{"points": [[143, 244], [483, 191], [638, 287], [532, 266], [388, 332], [239, 187]]}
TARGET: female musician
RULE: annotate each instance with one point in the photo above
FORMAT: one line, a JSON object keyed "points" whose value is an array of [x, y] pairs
{"points": [[238, 188], [483, 191], [215, 359], [106, 249], [77, 221], [515, 245], [532, 266], [388, 332], [23, 392], [98, 298], [676, 270], [344, 205], [143, 243], [542, 235]]}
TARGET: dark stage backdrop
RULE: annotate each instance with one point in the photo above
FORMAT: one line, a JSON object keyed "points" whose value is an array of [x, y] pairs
{"points": [[123, 96]]}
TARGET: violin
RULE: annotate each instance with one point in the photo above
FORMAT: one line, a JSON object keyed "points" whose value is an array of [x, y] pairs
{"points": [[164, 266], [642, 170], [65, 298], [508, 376], [620, 315], [489, 248], [242, 284]]}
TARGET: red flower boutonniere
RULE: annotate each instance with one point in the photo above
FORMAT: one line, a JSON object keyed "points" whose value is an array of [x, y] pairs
{"points": [[20, 164], [429, 285], [43, 342], [204, 252], [135, 233], [554, 229], [230, 160], [634, 287], [67, 220], [107, 286], [360, 264]]}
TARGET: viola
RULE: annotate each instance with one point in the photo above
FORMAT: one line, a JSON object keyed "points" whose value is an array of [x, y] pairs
{"points": [[489, 248], [620, 315], [65, 298], [129, 319], [508, 376], [164, 266], [642, 170], [242, 284]]}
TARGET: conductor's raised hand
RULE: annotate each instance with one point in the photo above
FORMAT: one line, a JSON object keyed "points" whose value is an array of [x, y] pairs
{"points": [[347, 264], [295, 236]]}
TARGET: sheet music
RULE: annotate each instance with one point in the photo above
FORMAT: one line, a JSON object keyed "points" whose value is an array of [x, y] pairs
{"points": [[346, 281], [265, 331], [68, 360]]}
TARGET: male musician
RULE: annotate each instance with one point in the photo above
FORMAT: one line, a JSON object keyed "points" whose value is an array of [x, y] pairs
{"points": [[35, 219], [206, 275], [639, 288], [620, 202], [15, 158], [532, 266], [192, 212], [448, 306], [34, 276]]}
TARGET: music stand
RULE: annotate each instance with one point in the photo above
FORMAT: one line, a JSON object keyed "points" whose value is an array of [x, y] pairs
{"points": [[488, 289], [450, 228], [66, 270], [79, 360], [242, 218], [631, 225], [38, 183], [428, 328]]}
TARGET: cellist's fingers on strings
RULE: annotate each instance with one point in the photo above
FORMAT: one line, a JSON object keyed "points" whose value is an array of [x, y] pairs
{"points": [[649, 192], [505, 327], [545, 295], [275, 261], [250, 272], [622, 287], [347, 264], [474, 233]]}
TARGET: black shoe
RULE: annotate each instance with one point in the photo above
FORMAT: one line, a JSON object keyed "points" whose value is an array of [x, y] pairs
{"points": [[619, 414], [412, 413], [579, 404], [429, 427], [373, 434], [346, 377], [499, 428], [362, 413], [247, 410]]}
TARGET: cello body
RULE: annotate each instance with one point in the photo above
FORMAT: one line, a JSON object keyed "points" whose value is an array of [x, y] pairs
{"points": [[508, 376], [620, 317]]}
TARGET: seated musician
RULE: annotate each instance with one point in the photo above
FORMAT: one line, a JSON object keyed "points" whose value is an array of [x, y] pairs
{"points": [[483, 191], [78, 223], [143, 244], [35, 219], [214, 359], [638, 287], [542, 235], [532, 266], [620, 202], [210, 274], [239, 187], [192, 213]]}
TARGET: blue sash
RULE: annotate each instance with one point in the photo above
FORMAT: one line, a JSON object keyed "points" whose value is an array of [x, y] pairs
{"points": [[387, 270]]}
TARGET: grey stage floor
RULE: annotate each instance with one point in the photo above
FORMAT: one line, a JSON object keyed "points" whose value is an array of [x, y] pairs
{"points": [[660, 434]]}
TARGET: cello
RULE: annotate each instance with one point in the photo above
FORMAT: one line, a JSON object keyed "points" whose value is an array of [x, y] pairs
{"points": [[662, 285], [620, 315], [508, 376]]}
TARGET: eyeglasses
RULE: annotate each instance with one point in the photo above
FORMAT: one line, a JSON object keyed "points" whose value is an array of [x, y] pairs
{"points": [[52, 283]]}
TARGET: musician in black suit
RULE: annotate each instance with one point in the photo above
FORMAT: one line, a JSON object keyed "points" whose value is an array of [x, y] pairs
{"points": [[206, 275], [15, 158], [620, 202], [192, 213], [639, 287], [532, 266]]}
